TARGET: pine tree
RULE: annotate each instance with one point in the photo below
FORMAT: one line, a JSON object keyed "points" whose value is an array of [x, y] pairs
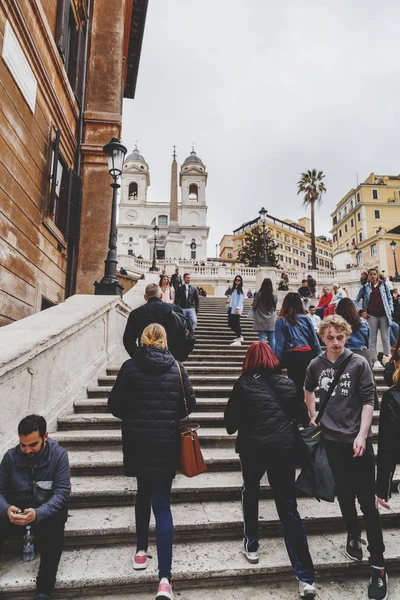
{"points": [[251, 253]]}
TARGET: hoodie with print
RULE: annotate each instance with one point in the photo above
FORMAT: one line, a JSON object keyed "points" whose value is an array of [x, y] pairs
{"points": [[342, 417]]}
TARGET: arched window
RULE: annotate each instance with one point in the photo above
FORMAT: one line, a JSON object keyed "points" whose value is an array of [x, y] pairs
{"points": [[133, 189], [161, 220], [193, 192]]}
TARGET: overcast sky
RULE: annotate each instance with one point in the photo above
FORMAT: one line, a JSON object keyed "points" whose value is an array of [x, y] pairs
{"points": [[267, 89]]}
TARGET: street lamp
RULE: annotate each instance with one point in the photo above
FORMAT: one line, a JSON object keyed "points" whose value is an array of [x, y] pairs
{"points": [[153, 268], [264, 261], [393, 245], [109, 285], [216, 251]]}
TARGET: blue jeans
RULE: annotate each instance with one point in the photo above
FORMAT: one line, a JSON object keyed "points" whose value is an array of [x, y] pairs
{"points": [[190, 313], [270, 335], [156, 494], [281, 476], [394, 332]]}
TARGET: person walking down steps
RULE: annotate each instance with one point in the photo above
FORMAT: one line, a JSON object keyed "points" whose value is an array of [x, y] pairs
{"points": [[147, 397], [236, 303]]}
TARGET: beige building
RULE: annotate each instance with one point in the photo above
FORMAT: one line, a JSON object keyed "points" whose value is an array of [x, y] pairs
{"points": [[226, 248], [294, 243], [365, 221]]}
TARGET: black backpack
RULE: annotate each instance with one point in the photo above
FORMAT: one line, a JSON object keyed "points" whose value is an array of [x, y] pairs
{"points": [[181, 338]]}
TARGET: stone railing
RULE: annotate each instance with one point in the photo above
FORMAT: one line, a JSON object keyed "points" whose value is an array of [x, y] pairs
{"points": [[48, 359]]}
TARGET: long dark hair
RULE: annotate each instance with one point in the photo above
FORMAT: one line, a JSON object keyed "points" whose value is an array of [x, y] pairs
{"points": [[292, 306], [347, 310], [239, 287], [265, 297]]}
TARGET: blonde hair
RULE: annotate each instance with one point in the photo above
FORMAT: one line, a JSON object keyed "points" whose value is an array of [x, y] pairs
{"points": [[396, 374], [334, 321], [154, 335]]}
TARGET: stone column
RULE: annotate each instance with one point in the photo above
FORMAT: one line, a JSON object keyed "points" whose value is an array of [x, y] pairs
{"points": [[103, 119]]}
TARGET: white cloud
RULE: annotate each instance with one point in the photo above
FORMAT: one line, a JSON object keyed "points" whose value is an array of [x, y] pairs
{"points": [[267, 90]]}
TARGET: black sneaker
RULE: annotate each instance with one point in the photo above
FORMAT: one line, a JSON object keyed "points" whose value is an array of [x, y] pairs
{"points": [[353, 547], [377, 588]]}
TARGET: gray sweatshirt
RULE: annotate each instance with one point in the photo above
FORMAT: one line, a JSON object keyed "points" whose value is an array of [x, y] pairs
{"points": [[342, 418]]}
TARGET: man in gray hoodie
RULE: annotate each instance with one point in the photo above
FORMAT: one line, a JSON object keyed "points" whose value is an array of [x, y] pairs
{"points": [[34, 490], [347, 435]]}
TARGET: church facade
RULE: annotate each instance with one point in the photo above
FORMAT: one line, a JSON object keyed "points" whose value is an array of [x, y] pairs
{"points": [[182, 226]]}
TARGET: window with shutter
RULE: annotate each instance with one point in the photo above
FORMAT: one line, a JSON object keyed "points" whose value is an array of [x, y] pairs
{"points": [[63, 32]]}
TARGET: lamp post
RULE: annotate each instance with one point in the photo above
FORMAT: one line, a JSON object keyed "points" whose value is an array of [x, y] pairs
{"points": [[109, 285], [393, 245], [153, 268], [216, 251], [264, 261]]}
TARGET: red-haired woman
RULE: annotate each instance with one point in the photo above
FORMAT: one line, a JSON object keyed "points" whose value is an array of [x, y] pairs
{"points": [[260, 408]]}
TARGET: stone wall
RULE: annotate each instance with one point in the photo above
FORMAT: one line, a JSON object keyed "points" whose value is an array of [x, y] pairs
{"points": [[47, 360]]}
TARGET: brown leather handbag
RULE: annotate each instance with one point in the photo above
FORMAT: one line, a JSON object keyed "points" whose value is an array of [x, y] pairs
{"points": [[191, 460]]}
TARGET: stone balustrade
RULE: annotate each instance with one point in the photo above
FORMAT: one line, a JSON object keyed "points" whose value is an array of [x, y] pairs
{"points": [[48, 359]]}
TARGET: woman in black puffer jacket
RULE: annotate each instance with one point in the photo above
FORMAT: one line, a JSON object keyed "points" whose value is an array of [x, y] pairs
{"points": [[259, 409], [147, 397]]}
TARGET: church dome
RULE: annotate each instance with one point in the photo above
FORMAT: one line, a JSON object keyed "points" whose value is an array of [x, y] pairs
{"points": [[193, 158], [135, 155]]}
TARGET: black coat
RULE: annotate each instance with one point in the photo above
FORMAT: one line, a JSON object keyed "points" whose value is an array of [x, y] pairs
{"points": [[388, 440], [154, 311], [147, 397], [192, 299], [261, 420]]}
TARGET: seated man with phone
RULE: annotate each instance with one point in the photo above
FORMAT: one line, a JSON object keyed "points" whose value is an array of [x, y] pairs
{"points": [[34, 490]]}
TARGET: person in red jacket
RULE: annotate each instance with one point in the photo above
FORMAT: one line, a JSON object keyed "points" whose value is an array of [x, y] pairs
{"points": [[325, 299]]}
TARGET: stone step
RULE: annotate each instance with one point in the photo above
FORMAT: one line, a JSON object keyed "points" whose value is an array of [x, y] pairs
{"points": [[91, 439], [210, 390], [334, 587], [206, 520], [112, 490], [109, 461], [104, 421], [105, 569]]}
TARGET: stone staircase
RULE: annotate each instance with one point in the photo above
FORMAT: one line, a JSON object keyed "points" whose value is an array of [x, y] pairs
{"points": [[206, 509]]}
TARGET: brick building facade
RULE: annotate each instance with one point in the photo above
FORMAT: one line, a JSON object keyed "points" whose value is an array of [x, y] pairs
{"points": [[65, 67]]}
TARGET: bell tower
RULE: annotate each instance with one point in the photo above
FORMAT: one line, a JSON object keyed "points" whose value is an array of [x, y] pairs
{"points": [[193, 181]]}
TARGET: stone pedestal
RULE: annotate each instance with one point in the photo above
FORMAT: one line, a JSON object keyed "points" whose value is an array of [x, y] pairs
{"points": [[262, 273]]}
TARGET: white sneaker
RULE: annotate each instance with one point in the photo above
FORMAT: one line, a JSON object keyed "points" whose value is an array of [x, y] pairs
{"points": [[377, 365], [307, 590], [237, 342], [252, 557], [241, 338]]}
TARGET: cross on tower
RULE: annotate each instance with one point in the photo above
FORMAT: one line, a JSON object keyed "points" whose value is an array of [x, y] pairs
{"points": [[174, 154]]}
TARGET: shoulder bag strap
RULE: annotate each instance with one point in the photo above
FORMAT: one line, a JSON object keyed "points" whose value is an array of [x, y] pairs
{"points": [[332, 387], [183, 390]]}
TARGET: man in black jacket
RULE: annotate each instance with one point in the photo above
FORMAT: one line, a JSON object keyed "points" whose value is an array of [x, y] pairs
{"points": [[187, 297], [154, 311], [176, 280]]}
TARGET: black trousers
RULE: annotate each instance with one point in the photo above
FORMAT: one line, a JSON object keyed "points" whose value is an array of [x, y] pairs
{"points": [[234, 324], [297, 363], [280, 468], [48, 537], [355, 477]]}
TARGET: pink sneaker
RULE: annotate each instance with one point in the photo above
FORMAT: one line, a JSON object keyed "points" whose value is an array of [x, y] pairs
{"points": [[139, 560], [164, 590]]}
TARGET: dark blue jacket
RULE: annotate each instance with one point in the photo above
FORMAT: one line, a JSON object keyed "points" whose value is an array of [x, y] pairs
{"points": [[288, 336], [18, 472]]}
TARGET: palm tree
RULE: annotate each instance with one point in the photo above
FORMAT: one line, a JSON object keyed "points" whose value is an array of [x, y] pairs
{"points": [[312, 186]]}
